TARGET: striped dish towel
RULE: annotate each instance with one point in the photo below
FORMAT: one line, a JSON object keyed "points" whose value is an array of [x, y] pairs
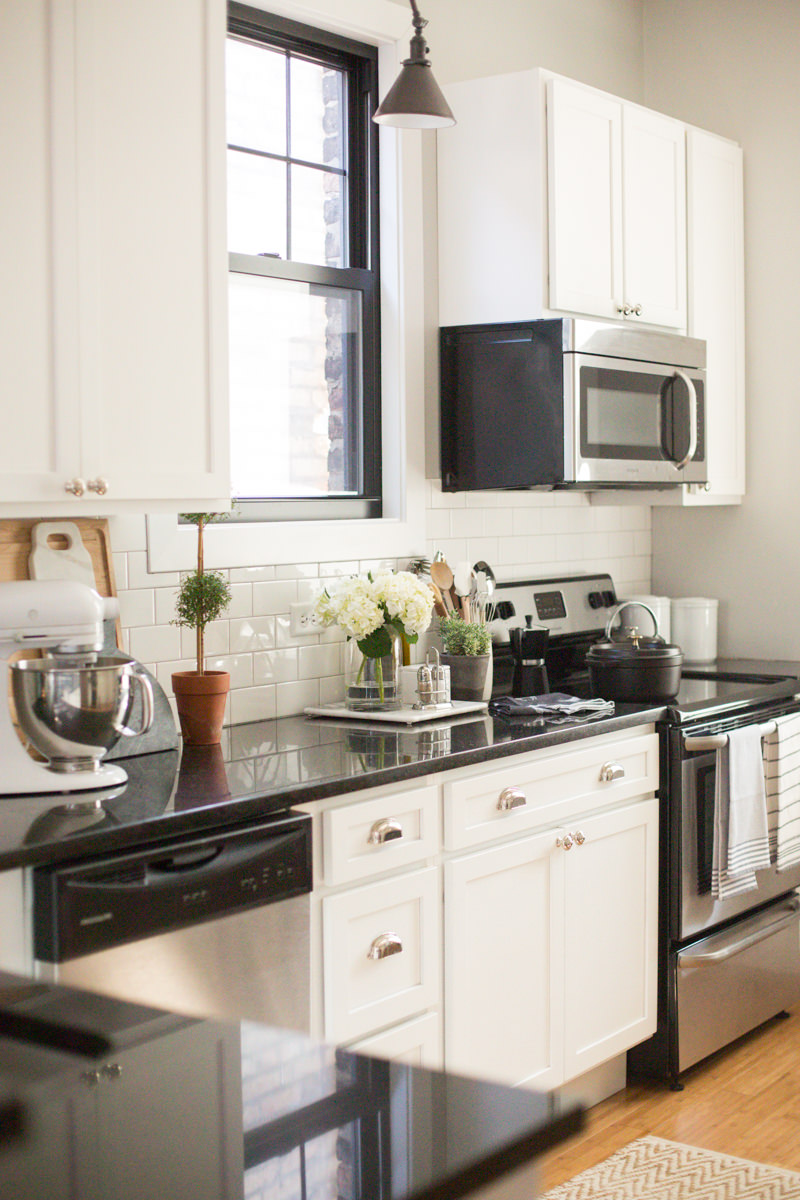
{"points": [[782, 776], [741, 838]]}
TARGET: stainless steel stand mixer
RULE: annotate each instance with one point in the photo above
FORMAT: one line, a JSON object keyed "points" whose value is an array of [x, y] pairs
{"points": [[72, 704]]}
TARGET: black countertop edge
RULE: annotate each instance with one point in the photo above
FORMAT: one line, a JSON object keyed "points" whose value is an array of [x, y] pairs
{"points": [[121, 831]]}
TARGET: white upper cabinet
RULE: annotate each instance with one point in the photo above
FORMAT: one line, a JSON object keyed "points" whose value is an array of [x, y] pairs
{"points": [[112, 346], [617, 208], [557, 198]]}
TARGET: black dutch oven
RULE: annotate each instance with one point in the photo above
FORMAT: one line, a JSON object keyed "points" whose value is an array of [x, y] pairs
{"points": [[628, 667]]}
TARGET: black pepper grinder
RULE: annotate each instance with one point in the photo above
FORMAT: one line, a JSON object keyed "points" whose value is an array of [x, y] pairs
{"points": [[528, 647]]}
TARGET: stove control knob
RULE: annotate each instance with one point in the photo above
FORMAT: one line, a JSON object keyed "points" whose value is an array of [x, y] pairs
{"points": [[595, 599], [608, 599]]}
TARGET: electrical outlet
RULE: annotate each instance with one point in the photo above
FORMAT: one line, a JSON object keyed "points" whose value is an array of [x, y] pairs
{"points": [[302, 621]]}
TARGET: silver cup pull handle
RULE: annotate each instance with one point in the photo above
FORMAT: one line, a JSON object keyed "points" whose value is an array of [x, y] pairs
{"points": [[384, 945], [148, 706], [611, 771], [388, 829], [511, 797]]}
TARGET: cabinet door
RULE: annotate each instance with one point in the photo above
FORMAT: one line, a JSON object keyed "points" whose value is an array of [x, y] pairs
{"points": [[503, 932], [584, 161], [716, 301], [38, 340], [654, 208], [150, 163], [611, 912]]}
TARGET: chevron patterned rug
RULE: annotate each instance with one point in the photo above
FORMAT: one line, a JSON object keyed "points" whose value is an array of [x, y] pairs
{"points": [[652, 1168]]}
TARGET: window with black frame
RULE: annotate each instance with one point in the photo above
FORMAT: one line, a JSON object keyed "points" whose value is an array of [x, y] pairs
{"points": [[303, 284]]}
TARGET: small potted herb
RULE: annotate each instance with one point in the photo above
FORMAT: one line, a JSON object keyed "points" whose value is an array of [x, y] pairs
{"points": [[200, 695], [467, 651]]}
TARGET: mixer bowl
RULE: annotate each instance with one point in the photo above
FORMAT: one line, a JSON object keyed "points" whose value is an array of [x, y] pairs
{"points": [[73, 713]]}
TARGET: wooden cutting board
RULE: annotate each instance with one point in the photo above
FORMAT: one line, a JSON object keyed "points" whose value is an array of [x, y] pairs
{"points": [[17, 541]]}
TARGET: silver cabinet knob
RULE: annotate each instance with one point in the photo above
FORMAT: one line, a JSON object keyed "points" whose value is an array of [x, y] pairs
{"points": [[75, 486], [636, 310], [90, 1078], [111, 1071], [565, 842], [99, 485], [386, 830], [580, 838], [511, 797], [384, 945], [611, 771]]}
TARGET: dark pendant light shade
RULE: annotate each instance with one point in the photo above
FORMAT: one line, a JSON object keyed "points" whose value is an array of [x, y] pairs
{"points": [[415, 100]]}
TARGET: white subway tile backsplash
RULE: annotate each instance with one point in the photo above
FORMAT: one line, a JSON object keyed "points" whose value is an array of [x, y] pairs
{"points": [[251, 634], [137, 607], [276, 673], [276, 666], [252, 704], [294, 697], [139, 576], [274, 597], [156, 643]]}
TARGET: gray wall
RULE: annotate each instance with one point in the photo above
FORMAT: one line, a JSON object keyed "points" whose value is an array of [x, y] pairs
{"points": [[732, 67]]}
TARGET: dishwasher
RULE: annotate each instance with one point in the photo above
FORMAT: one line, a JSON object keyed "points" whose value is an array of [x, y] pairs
{"points": [[212, 925]]}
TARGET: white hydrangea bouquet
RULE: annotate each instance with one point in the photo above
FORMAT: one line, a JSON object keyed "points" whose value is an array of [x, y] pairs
{"points": [[374, 612]]}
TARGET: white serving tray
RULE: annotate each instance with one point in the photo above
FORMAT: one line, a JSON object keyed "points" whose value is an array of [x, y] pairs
{"points": [[399, 716]]}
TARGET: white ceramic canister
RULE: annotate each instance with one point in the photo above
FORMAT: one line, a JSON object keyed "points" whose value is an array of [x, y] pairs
{"points": [[641, 618], [694, 628]]}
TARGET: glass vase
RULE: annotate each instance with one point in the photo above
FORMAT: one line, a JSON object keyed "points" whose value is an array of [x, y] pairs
{"points": [[372, 684]]}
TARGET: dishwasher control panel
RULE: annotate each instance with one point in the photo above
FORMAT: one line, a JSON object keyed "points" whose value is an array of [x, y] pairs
{"points": [[83, 908]]}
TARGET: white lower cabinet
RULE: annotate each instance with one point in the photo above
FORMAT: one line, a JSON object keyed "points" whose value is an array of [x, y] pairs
{"points": [[520, 944], [504, 929], [550, 953]]}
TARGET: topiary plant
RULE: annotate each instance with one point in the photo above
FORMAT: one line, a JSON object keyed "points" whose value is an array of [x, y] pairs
{"points": [[464, 637], [203, 596]]}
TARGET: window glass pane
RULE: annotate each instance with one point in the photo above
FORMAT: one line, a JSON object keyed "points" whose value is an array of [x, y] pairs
{"points": [[256, 205], [295, 363], [255, 97], [317, 113], [318, 228]]}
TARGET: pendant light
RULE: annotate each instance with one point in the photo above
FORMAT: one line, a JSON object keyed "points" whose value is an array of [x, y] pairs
{"points": [[415, 100]]}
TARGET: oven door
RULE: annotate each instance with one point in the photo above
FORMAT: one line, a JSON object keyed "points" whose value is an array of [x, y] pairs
{"points": [[635, 422], [692, 806]]}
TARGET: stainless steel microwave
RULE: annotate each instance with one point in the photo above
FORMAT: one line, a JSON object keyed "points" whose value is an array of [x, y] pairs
{"points": [[569, 402]]}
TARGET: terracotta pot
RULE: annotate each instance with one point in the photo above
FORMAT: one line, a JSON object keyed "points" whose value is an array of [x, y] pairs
{"points": [[201, 705]]}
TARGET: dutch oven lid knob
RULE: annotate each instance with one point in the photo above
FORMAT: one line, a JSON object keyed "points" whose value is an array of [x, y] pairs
{"points": [[633, 633]]}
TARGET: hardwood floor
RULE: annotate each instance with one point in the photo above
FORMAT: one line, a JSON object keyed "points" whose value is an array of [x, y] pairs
{"points": [[744, 1100]]}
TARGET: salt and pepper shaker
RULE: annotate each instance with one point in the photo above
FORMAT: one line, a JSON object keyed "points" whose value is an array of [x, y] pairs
{"points": [[433, 683]]}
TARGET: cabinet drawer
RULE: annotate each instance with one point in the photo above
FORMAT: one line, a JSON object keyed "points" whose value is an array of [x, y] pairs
{"points": [[382, 953], [548, 788], [417, 1042], [361, 840]]}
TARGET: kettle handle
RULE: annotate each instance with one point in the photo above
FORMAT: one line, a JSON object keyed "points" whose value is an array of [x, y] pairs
{"points": [[629, 604]]}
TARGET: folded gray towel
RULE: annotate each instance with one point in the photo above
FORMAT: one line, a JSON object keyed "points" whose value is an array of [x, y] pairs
{"points": [[555, 704]]}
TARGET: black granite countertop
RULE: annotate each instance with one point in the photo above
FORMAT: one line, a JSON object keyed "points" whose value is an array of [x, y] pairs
{"points": [[103, 1100], [264, 766]]}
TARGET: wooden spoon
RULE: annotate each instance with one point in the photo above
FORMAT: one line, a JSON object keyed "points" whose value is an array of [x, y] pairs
{"points": [[439, 606], [442, 576]]}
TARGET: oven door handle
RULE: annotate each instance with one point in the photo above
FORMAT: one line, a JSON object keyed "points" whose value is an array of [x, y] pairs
{"points": [[710, 958], [717, 741]]}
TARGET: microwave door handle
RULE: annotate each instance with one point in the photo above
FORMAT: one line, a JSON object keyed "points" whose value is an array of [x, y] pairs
{"points": [[692, 419]]}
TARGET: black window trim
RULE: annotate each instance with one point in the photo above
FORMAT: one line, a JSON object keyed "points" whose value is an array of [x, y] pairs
{"points": [[361, 62]]}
